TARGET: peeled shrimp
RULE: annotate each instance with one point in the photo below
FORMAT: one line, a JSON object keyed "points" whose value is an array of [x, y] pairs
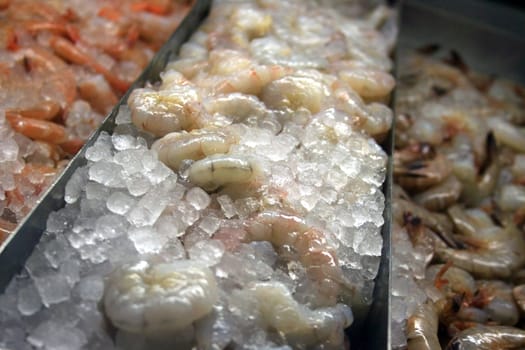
{"points": [[488, 338], [297, 323], [146, 298], [295, 91], [219, 170], [310, 245], [175, 147], [164, 111], [369, 84]]}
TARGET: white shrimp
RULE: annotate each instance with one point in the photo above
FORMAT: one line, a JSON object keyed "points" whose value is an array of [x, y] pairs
{"points": [[219, 170], [488, 338], [167, 110], [308, 244], [493, 251], [508, 134], [235, 107], [368, 83], [231, 71], [154, 299], [175, 147], [295, 91], [422, 328], [296, 322]]}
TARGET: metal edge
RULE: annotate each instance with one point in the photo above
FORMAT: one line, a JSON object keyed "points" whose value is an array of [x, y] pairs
{"points": [[17, 248], [376, 326]]}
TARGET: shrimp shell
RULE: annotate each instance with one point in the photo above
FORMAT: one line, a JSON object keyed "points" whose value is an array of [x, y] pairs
{"points": [[488, 338], [422, 329]]}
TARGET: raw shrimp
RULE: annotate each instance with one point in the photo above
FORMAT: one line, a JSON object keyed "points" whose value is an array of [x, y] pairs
{"points": [[496, 300], [440, 196], [175, 147], [220, 170], [422, 329], [298, 324], [488, 338], [309, 245], [369, 84], [230, 71], [422, 174], [519, 296], [435, 221], [161, 298], [294, 91], [508, 134], [236, 107], [492, 251], [164, 111]]}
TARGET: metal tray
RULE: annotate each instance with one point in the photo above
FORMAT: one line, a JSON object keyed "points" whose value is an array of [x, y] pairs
{"points": [[489, 36], [370, 333]]}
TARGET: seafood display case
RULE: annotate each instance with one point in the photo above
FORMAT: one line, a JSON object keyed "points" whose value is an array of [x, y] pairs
{"points": [[478, 29]]}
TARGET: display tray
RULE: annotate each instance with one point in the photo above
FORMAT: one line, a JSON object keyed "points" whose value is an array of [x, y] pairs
{"points": [[488, 36]]}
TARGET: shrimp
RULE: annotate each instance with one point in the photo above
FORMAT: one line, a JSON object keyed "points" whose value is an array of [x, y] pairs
{"points": [[369, 84], [219, 170], [488, 338], [161, 298], [297, 323], [422, 328], [230, 71], [435, 221], [45, 110], [440, 196], [164, 111], [235, 106], [495, 298], [492, 251], [309, 245], [175, 147], [508, 134], [518, 293], [422, 174], [38, 76], [69, 51], [295, 91], [37, 129]]}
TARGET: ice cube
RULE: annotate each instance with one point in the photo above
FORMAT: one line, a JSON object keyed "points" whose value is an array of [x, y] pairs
{"points": [[148, 208], [107, 173], [29, 301], [208, 252], [120, 203], [91, 288], [52, 335], [210, 224], [198, 198], [53, 288], [147, 240], [227, 206]]}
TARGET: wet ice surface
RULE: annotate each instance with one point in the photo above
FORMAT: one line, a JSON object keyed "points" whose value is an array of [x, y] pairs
{"points": [[125, 206]]}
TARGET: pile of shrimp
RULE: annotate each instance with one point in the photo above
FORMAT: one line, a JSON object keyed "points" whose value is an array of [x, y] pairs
{"points": [[63, 66], [238, 202], [459, 205]]}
